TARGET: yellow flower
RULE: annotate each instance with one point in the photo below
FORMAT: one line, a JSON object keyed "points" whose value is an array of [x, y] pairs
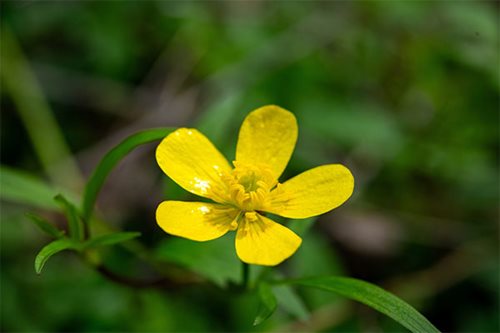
{"points": [[244, 193]]}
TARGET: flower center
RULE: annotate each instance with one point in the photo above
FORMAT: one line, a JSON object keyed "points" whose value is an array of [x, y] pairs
{"points": [[248, 186]]}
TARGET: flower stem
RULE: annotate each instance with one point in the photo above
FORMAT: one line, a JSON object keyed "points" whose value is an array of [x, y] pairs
{"points": [[245, 275]]}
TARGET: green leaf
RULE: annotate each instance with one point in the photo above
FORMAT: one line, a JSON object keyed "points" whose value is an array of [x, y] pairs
{"points": [[45, 225], [374, 297], [215, 260], [267, 305], [75, 223], [52, 248], [110, 239], [24, 188], [218, 116], [302, 226], [290, 301], [312, 260], [110, 160]]}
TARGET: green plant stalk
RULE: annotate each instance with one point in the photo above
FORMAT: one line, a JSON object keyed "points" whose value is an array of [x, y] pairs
{"points": [[245, 270], [34, 111]]}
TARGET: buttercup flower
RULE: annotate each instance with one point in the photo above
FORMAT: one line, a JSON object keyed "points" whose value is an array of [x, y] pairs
{"points": [[244, 193]]}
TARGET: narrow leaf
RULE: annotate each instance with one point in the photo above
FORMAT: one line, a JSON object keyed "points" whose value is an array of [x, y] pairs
{"points": [[75, 223], [289, 301], [110, 239], [267, 305], [111, 159], [24, 188], [50, 249], [373, 296], [45, 225]]}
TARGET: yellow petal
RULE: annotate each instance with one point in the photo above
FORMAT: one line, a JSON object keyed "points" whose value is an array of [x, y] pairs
{"points": [[192, 161], [262, 241], [267, 136], [313, 192], [197, 221]]}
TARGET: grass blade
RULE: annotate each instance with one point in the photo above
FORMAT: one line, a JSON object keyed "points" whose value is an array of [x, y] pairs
{"points": [[75, 223], [50, 249], [45, 226], [111, 239], [45, 134], [111, 159], [268, 303], [24, 188], [374, 297]]}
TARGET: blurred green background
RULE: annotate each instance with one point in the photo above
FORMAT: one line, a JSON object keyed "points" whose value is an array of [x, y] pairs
{"points": [[404, 93]]}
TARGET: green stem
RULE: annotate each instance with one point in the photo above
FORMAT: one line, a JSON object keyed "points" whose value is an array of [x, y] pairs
{"points": [[36, 115], [245, 275]]}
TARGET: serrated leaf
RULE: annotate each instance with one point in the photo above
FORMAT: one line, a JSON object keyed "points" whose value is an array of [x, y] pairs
{"points": [[110, 239], [24, 188], [52, 248], [375, 297], [267, 305], [75, 223], [110, 160], [45, 225]]}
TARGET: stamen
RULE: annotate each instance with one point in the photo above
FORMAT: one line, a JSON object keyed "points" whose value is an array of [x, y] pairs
{"points": [[251, 216], [246, 187]]}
